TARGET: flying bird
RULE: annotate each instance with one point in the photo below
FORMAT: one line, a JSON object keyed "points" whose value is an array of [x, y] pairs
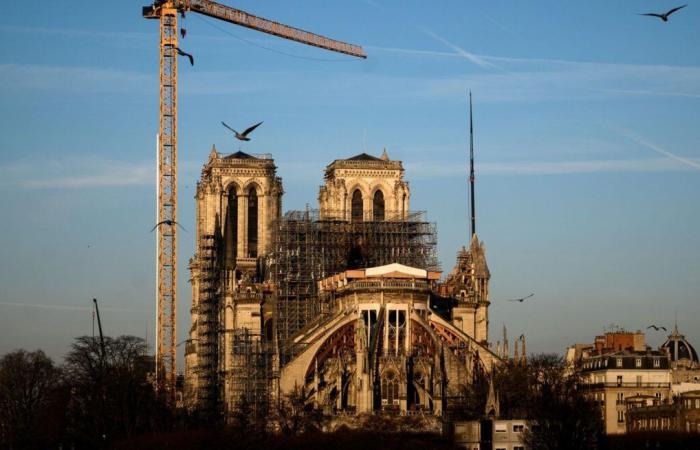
{"points": [[167, 222], [181, 53], [665, 15], [242, 136], [656, 328], [522, 299]]}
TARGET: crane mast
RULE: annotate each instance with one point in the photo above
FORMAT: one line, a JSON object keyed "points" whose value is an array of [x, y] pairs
{"points": [[166, 11], [167, 203]]}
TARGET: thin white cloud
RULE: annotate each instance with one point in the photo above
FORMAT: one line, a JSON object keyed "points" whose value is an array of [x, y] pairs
{"points": [[372, 3], [112, 174], [662, 151], [412, 51], [148, 39], [648, 92], [430, 169], [479, 61], [76, 173], [78, 80], [86, 172], [67, 307], [77, 33], [525, 80]]}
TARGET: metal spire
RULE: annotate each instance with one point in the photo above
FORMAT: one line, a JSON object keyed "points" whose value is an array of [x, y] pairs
{"points": [[471, 168]]}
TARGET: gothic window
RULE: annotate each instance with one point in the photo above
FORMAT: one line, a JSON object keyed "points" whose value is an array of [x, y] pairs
{"points": [[357, 206], [397, 331], [378, 206], [390, 388], [231, 231], [421, 383], [252, 223]]}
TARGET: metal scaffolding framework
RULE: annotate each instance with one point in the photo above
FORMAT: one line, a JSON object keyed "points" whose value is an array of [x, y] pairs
{"points": [[252, 370], [207, 322], [308, 249]]}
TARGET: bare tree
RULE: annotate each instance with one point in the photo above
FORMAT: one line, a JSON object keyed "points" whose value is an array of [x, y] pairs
{"points": [[27, 383], [560, 415], [295, 415], [112, 397]]}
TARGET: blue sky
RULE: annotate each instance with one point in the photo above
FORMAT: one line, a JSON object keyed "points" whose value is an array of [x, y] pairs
{"points": [[586, 134]]}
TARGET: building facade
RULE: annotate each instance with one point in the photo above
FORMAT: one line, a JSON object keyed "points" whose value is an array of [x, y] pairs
{"points": [[383, 347], [364, 188], [681, 415], [611, 378], [344, 302], [490, 434]]}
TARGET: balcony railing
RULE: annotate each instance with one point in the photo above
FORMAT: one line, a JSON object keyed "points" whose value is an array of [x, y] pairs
{"points": [[632, 384], [386, 284]]}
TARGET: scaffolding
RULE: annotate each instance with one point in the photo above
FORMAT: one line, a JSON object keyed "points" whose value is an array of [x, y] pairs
{"points": [[207, 322], [252, 369], [309, 248]]}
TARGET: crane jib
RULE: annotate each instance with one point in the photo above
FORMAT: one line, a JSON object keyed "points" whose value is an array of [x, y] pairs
{"points": [[245, 19], [242, 18]]}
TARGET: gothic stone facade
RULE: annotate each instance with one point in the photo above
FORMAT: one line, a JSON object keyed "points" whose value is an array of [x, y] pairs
{"points": [[391, 338]]}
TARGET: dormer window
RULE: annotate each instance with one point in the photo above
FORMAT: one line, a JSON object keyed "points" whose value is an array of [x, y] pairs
{"points": [[638, 363], [618, 362]]}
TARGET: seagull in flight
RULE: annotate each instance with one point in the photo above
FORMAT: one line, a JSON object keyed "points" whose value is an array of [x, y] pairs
{"points": [[522, 299], [665, 15], [181, 53], [242, 136], [169, 223], [656, 328]]}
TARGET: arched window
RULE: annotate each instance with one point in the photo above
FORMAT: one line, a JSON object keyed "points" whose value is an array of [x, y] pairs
{"points": [[390, 388], [357, 206], [252, 223], [231, 227], [420, 380], [378, 206]]}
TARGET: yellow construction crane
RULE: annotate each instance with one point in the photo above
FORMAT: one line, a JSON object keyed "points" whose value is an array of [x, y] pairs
{"points": [[166, 11]]}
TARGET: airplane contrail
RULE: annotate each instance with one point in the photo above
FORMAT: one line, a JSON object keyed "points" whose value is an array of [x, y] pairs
{"points": [[648, 92], [66, 307], [657, 149], [479, 61]]}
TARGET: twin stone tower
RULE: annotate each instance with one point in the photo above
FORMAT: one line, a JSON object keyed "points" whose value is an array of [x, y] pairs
{"points": [[344, 304]]}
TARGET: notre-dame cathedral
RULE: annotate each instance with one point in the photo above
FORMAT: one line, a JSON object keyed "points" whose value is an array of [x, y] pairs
{"points": [[344, 303]]}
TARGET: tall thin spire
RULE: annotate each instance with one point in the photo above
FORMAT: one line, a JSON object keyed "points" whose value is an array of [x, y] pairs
{"points": [[675, 323], [471, 168]]}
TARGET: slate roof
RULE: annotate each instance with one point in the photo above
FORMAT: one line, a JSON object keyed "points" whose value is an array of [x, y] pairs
{"points": [[680, 348], [363, 157], [240, 155]]}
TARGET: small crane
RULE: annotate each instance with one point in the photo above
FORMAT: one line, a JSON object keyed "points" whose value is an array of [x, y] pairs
{"points": [[166, 11], [99, 326]]}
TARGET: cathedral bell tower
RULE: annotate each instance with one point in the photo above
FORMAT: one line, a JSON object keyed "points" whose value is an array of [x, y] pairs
{"points": [[239, 199], [364, 188]]}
